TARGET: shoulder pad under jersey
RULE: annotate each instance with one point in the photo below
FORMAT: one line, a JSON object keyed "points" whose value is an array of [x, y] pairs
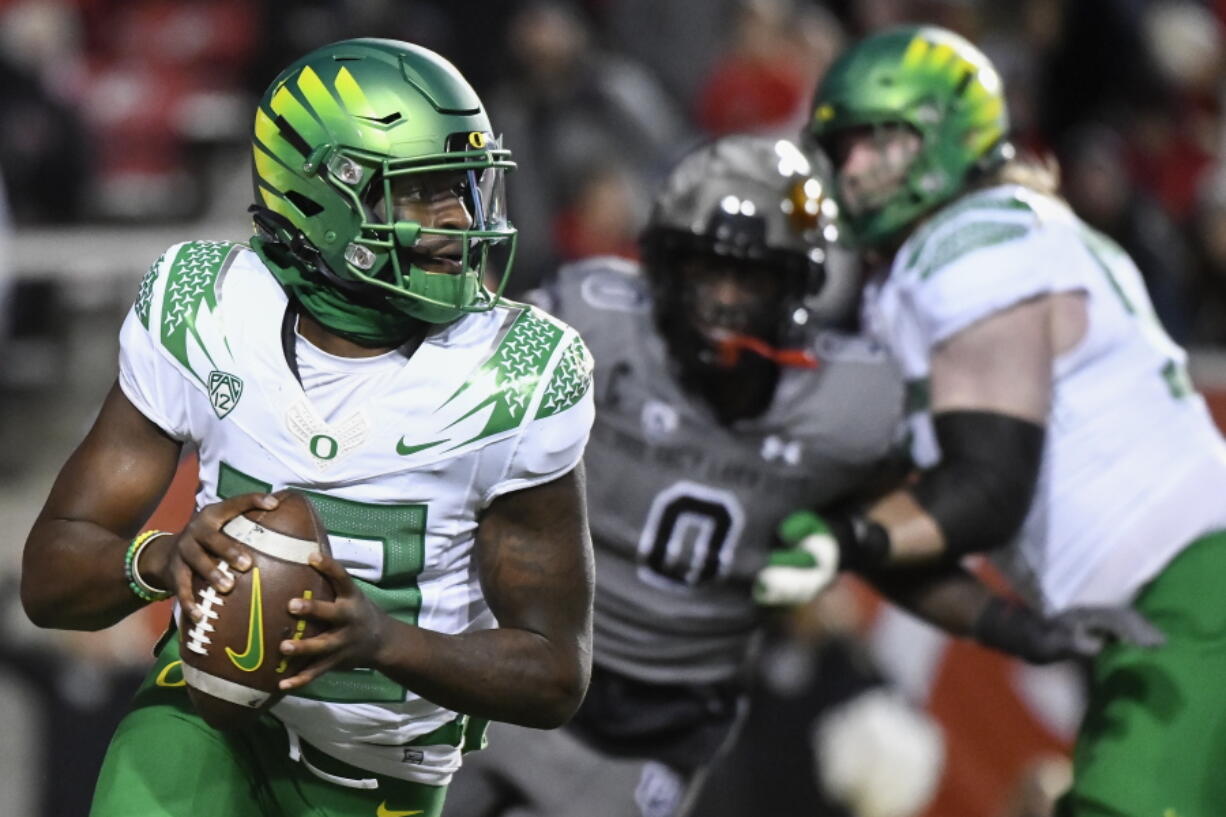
{"points": [[539, 367], [976, 222], [179, 293]]}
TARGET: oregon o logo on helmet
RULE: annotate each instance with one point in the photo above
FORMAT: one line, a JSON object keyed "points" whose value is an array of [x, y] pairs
{"points": [[324, 447], [476, 139]]}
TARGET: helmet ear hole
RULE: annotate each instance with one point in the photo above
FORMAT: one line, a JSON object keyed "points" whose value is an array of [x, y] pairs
{"points": [[308, 207]]}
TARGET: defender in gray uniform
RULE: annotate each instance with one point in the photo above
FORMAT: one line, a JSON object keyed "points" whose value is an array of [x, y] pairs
{"points": [[719, 409]]}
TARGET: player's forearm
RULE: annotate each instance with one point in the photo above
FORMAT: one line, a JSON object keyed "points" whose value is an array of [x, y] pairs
{"points": [[72, 576], [914, 536], [504, 674], [73, 565], [945, 596], [975, 499]]}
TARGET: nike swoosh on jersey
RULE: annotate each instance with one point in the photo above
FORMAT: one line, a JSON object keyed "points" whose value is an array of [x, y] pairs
{"points": [[405, 450], [384, 811], [250, 659]]}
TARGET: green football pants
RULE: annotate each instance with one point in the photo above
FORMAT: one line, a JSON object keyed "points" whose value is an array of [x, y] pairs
{"points": [[1154, 737], [164, 761]]}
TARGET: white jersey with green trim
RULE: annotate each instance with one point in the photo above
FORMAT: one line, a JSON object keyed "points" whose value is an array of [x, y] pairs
{"points": [[1133, 468], [494, 402]]}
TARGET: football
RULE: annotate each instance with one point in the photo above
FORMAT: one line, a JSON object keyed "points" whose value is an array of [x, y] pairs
{"points": [[231, 657]]}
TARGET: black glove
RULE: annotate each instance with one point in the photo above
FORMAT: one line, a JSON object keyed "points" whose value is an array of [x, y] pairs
{"points": [[1079, 632]]}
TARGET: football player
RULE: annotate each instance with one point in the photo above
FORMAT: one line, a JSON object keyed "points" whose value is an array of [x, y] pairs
{"points": [[718, 408], [351, 352], [1051, 415]]}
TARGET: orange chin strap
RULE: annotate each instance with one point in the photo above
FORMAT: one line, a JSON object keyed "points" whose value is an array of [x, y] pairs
{"points": [[730, 345]]}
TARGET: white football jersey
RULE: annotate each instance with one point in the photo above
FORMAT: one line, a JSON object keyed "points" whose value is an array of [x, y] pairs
{"points": [[495, 402], [1134, 468]]}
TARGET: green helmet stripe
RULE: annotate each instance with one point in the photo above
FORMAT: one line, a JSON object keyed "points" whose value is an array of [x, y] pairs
{"points": [[272, 169], [351, 94], [300, 118], [321, 101], [273, 177], [265, 129], [268, 137]]}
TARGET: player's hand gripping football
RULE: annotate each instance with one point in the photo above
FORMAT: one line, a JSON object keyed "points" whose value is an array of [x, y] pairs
{"points": [[805, 564], [354, 628], [200, 546]]}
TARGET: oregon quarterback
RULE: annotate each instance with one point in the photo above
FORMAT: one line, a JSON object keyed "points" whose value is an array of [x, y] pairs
{"points": [[351, 351]]}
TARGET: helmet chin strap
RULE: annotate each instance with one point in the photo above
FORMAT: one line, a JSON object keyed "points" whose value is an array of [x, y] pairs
{"points": [[729, 346]]}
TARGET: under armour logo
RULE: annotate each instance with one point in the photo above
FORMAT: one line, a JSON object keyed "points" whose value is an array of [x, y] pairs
{"points": [[776, 448], [659, 790], [659, 419]]}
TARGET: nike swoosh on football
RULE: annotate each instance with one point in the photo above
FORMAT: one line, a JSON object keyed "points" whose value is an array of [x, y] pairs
{"points": [[405, 450], [384, 811], [249, 660]]}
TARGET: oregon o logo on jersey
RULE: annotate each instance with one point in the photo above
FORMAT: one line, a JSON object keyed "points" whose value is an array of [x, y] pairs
{"points": [[324, 447], [224, 391]]}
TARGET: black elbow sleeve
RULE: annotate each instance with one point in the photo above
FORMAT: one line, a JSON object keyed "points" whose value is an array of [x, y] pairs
{"points": [[981, 490]]}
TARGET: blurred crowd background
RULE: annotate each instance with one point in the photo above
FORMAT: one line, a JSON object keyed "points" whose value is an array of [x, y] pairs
{"points": [[124, 128]]}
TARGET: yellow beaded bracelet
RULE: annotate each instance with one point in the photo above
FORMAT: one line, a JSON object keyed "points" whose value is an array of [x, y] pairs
{"points": [[136, 583]]}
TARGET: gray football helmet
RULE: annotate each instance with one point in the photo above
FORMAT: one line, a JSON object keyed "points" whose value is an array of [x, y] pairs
{"points": [[753, 209]]}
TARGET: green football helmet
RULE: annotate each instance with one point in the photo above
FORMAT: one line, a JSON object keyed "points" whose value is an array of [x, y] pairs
{"points": [[932, 81], [334, 132]]}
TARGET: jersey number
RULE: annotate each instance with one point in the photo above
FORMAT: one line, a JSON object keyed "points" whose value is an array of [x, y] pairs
{"points": [[690, 534], [400, 532]]}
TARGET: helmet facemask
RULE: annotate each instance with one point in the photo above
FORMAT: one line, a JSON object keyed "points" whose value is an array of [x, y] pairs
{"points": [[885, 166], [729, 322], [721, 310], [433, 270], [735, 255]]}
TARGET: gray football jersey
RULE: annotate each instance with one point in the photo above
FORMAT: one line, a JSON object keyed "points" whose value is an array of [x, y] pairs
{"points": [[682, 509]]}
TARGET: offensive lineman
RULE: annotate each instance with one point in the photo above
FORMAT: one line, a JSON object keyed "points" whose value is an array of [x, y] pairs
{"points": [[350, 352], [1051, 414]]}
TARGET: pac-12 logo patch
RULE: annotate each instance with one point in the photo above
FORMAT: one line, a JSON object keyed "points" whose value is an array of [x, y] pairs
{"points": [[224, 391]]}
